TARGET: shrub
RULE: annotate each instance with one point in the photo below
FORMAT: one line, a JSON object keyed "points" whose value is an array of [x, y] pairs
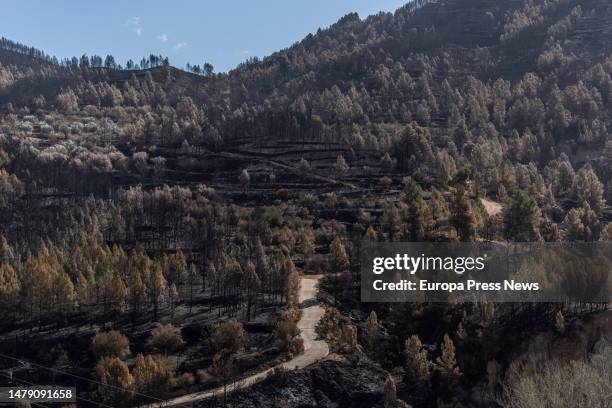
{"points": [[26, 127], [204, 377], [229, 336], [76, 128], [153, 374], [297, 346], [166, 338], [285, 331], [282, 193], [185, 380], [90, 127], [46, 129], [110, 344]]}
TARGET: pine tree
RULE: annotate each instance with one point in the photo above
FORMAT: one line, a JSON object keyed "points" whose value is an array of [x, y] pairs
{"points": [[390, 395], [286, 237], [575, 229], [303, 166], [418, 366], [446, 364], [370, 234], [559, 322], [223, 367], [153, 375], [522, 219], [191, 278], [137, 295], [341, 165], [252, 284], [156, 286], [438, 209], [463, 217], [292, 281], [339, 265], [416, 214], [307, 241], [339, 257], [9, 286], [371, 330], [245, 178], [587, 187], [116, 381], [606, 233], [549, 230], [260, 259]]}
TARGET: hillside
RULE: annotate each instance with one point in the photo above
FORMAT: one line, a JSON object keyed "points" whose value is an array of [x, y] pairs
{"points": [[358, 83], [155, 223]]}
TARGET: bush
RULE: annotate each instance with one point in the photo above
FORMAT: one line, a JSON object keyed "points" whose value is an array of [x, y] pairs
{"points": [[185, 380], [90, 127], [282, 193], [110, 344], [297, 346], [76, 128], [278, 376], [166, 338], [285, 331], [204, 377], [154, 375], [229, 336], [46, 129], [26, 127]]}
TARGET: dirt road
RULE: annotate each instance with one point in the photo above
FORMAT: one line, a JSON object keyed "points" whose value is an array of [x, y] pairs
{"points": [[314, 350], [491, 207]]}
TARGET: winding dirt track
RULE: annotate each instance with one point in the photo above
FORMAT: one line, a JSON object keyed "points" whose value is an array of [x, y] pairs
{"points": [[314, 350]]}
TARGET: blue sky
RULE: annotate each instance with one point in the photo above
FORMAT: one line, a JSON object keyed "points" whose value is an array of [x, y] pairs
{"points": [[223, 33]]}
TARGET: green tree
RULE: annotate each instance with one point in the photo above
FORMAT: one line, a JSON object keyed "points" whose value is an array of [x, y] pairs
{"points": [[463, 217], [416, 212], [522, 218]]}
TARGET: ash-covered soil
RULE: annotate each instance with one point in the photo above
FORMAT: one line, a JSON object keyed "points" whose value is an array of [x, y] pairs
{"points": [[348, 381]]}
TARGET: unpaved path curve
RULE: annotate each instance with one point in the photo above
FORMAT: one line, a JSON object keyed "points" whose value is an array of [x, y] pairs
{"points": [[314, 350], [491, 207]]}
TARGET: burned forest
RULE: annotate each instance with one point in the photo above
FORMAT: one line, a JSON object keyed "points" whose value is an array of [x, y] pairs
{"points": [[182, 237]]}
